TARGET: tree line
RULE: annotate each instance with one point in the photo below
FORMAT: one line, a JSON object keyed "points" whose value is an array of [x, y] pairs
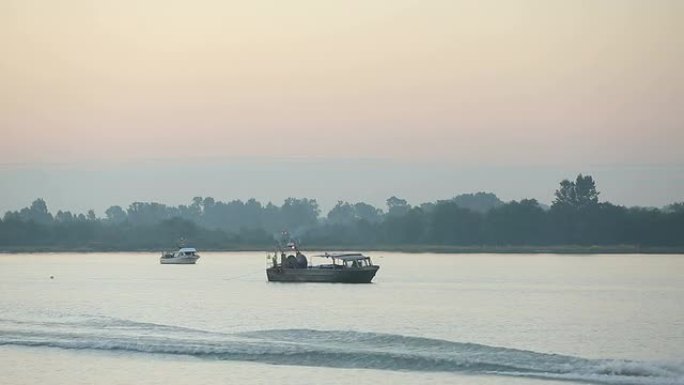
{"points": [[576, 217]]}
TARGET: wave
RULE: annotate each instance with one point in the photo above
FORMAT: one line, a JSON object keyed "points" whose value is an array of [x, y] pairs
{"points": [[333, 349]]}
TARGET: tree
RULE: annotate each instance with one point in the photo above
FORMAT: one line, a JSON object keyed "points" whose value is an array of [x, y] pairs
{"points": [[577, 195], [64, 216], [366, 212], [409, 228], [196, 207], [147, 212], [208, 203], [342, 213], [253, 214], [516, 223], [452, 224], [38, 212], [480, 202], [575, 211], [677, 207], [397, 206], [585, 191], [299, 212], [115, 214]]}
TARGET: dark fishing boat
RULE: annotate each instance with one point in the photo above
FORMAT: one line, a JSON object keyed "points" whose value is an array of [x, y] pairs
{"points": [[341, 268]]}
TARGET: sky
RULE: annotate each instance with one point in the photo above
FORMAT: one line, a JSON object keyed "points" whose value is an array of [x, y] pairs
{"points": [[107, 102]]}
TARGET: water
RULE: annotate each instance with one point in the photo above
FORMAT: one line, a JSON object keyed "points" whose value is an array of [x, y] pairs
{"points": [[121, 318]]}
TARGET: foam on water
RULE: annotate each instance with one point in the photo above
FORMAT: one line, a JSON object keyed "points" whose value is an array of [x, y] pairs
{"points": [[334, 349]]}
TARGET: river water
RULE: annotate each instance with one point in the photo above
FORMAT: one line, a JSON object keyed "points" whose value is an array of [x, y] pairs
{"points": [[122, 318]]}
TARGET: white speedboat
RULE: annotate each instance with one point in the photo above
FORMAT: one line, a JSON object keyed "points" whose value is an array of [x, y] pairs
{"points": [[184, 256]]}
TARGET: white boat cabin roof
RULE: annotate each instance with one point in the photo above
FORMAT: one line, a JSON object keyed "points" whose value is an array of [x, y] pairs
{"points": [[345, 256], [187, 250]]}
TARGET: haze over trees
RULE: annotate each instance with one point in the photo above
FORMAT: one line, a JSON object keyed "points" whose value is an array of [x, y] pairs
{"points": [[576, 217]]}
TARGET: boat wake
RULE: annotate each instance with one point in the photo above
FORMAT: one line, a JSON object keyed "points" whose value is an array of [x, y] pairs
{"points": [[333, 349]]}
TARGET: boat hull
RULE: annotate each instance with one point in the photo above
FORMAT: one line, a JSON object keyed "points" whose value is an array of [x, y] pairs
{"points": [[358, 275], [179, 261]]}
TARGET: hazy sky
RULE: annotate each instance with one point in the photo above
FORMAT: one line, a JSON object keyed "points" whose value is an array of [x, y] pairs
{"points": [[454, 93]]}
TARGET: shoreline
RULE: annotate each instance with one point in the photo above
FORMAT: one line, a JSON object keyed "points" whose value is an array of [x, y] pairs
{"points": [[437, 249]]}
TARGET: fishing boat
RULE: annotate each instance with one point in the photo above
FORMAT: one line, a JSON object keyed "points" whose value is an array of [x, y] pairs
{"points": [[183, 256], [338, 267]]}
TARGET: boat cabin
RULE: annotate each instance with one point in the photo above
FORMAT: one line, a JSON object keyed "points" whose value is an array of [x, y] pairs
{"points": [[348, 260], [189, 251], [183, 252]]}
